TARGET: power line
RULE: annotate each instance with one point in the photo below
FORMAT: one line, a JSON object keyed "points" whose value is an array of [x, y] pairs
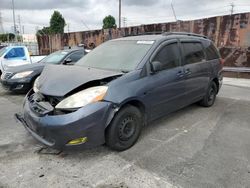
{"points": [[162, 20], [243, 5], [196, 12], [85, 25]]}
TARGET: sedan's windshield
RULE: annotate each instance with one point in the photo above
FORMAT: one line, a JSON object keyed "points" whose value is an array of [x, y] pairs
{"points": [[117, 55], [54, 58]]}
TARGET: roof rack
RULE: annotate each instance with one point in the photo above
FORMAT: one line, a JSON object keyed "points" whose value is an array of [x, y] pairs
{"points": [[184, 33], [145, 33]]}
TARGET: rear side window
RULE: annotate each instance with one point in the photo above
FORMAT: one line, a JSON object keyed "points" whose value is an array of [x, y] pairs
{"points": [[211, 52], [169, 56], [15, 53], [193, 52]]}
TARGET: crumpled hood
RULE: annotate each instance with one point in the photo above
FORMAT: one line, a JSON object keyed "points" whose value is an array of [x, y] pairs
{"points": [[58, 80]]}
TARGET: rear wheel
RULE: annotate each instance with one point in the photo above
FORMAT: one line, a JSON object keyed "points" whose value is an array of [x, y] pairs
{"points": [[124, 129], [210, 96]]}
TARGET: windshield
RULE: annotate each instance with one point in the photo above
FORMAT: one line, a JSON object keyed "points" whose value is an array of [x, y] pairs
{"points": [[117, 55], [2, 51], [54, 58]]}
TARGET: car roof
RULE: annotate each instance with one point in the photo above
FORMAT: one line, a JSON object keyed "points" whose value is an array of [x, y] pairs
{"points": [[163, 36], [71, 50], [140, 37]]}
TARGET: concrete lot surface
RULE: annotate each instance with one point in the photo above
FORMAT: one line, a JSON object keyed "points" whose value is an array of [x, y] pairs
{"points": [[194, 147]]}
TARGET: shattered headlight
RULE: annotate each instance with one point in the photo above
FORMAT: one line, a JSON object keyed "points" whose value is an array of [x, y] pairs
{"points": [[83, 98]]}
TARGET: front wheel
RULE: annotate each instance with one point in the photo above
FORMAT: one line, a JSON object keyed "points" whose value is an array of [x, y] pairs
{"points": [[124, 129], [210, 96]]}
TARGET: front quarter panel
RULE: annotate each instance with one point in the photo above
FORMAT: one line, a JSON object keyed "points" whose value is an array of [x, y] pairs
{"points": [[131, 86]]}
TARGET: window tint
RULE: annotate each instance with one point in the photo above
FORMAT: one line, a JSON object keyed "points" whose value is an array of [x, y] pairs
{"points": [[211, 52], [76, 56], [193, 52], [15, 53], [169, 56]]}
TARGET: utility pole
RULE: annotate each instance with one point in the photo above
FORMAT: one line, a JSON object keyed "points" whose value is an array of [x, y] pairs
{"points": [[232, 8], [19, 24], [19, 28], [172, 6], [231, 22], [120, 13], [1, 24], [14, 18], [178, 22]]}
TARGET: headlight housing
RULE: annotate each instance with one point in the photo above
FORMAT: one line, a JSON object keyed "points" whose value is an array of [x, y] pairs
{"points": [[35, 85], [83, 98], [21, 74]]}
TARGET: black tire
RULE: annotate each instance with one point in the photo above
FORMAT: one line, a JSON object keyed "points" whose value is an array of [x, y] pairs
{"points": [[125, 128], [210, 96]]}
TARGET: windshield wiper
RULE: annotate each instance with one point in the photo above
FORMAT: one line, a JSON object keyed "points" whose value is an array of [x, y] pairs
{"points": [[124, 71]]}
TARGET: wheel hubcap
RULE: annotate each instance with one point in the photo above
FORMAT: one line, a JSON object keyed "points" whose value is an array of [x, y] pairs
{"points": [[127, 128], [211, 94]]}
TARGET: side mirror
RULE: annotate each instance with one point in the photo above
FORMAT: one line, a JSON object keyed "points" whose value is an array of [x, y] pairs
{"points": [[156, 66], [67, 61]]}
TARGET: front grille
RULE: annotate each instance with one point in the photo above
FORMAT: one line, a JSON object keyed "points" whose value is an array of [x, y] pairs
{"points": [[7, 75], [42, 104]]}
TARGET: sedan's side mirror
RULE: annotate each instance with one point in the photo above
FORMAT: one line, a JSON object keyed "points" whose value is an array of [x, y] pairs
{"points": [[67, 61], [156, 66]]}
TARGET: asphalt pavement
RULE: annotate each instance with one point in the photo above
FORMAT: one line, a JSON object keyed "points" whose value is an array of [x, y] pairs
{"points": [[194, 147]]}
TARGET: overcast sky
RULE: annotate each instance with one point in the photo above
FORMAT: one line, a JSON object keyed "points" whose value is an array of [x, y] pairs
{"points": [[84, 14]]}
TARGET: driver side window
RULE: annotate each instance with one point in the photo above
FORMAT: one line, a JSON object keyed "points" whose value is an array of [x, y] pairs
{"points": [[169, 56]]}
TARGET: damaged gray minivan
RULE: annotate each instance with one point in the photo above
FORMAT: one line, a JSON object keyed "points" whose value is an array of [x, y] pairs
{"points": [[123, 84]]}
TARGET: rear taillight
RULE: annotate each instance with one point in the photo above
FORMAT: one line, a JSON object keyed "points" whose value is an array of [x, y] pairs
{"points": [[222, 61]]}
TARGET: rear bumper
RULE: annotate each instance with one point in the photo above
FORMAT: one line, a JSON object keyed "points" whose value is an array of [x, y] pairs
{"points": [[57, 130], [16, 85]]}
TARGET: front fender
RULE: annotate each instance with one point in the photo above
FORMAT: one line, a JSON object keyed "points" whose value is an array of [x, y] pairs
{"points": [[132, 101]]}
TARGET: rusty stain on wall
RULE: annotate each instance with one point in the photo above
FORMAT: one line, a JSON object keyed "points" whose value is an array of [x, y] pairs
{"points": [[230, 33]]}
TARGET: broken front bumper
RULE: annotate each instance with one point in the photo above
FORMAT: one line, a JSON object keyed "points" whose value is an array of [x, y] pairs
{"points": [[57, 131]]}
